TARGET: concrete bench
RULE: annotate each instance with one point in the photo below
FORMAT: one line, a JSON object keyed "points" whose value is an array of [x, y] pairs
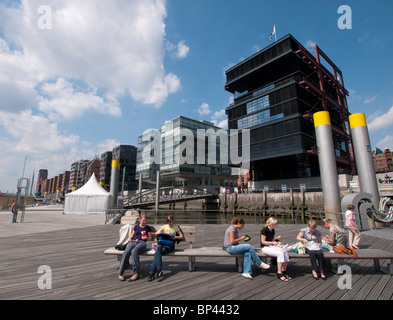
{"points": [[370, 254], [217, 252]]}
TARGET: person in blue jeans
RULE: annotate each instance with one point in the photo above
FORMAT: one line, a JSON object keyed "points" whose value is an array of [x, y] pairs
{"points": [[232, 245], [135, 246], [173, 232]]}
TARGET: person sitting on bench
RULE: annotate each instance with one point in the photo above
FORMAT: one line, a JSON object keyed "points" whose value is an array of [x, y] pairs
{"points": [[136, 245], [165, 246], [232, 246]]}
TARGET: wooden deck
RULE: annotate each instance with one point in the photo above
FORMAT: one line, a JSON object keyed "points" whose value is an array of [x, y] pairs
{"points": [[73, 246]]}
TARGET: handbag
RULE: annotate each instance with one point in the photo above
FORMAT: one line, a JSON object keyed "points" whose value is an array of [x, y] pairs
{"points": [[346, 250], [299, 248]]}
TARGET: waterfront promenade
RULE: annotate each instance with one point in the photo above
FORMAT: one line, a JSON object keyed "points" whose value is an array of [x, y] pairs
{"points": [[73, 245]]}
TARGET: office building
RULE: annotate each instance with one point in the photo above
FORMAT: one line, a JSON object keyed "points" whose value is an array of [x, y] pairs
{"points": [[42, 175], [182, 156], [105, 170], [276, 91], [126, 155], [81, 172]]}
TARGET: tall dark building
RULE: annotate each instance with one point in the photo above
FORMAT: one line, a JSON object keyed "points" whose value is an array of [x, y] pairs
{"points": [[42, 175], [276, 92], [105, 170], [126, 155]]}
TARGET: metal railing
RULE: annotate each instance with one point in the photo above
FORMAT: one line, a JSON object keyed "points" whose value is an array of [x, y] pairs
{"points": [[113, 216], [148, 197], [298, 215], [193, 216]]}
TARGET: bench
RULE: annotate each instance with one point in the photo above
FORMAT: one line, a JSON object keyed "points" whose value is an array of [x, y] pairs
{"points": [[375, 254], [217, 252], [190, 252]]}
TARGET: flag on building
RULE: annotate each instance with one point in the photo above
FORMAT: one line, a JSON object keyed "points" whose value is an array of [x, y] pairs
{"points": [[273, 33]]}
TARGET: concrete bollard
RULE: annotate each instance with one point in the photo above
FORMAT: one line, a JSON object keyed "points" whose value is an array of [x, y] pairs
{"points": [[114, 189], [364, 158], [327, 165]]}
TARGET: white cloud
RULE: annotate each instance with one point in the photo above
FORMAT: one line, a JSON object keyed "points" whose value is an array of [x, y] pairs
{"points": [[382, 121], [179, 51], [310, 45], [160, 89], [64, 101], [387, 142], [96, 53], [219, 119], [370, 99], [182, 50], [117, 45], [364, 36], [204, 109], [38, 137], [219, 114], [35, 134], [16, 82], [107, 145], [222, 124]]}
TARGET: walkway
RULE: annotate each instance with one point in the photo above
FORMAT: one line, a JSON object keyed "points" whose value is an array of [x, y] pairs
{"points": [[72, 246]]}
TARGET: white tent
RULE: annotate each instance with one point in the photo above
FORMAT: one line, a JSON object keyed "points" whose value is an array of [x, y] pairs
{"points": [[91, 198]]}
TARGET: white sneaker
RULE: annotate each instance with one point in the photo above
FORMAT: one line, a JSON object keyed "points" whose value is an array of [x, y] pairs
{"points": [[263, 266], [247, 275]]}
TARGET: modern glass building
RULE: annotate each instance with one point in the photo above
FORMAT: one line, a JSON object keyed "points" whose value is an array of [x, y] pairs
{"points": [[276, 91], [188, 153]]}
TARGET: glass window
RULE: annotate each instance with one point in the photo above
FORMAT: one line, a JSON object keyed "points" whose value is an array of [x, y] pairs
{"points": [[258, 104], [258, 118]]}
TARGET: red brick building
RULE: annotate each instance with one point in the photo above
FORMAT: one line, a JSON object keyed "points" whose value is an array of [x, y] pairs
{"points": [[382, 160]]}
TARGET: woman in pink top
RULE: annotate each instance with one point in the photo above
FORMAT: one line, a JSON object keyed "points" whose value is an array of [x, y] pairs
{"points": [[353, 230]]}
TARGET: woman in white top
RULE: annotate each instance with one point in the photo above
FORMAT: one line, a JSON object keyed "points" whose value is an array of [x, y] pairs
{"points": [[353, 230], [270, 246]]}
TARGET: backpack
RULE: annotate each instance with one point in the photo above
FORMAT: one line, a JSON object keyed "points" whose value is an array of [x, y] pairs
{"points": [[345, 250], [124, 234]]}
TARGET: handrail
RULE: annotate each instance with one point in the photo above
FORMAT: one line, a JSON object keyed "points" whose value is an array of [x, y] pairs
{"points": [[195, 216], [298, 215], [149, 196]]}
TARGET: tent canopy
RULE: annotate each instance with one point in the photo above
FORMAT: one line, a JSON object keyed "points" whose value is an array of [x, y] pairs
{"points": [[91, 198]]}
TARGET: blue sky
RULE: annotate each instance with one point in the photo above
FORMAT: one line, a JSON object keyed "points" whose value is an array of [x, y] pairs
{"points": [[106, 71]]}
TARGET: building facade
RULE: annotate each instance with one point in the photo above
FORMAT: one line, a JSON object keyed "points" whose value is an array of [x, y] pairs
{"points": [[126, 155], [105, 170], [42, 175], [383, 160], [276, 92], [54, 188], [81, 172], [183, 153]]}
